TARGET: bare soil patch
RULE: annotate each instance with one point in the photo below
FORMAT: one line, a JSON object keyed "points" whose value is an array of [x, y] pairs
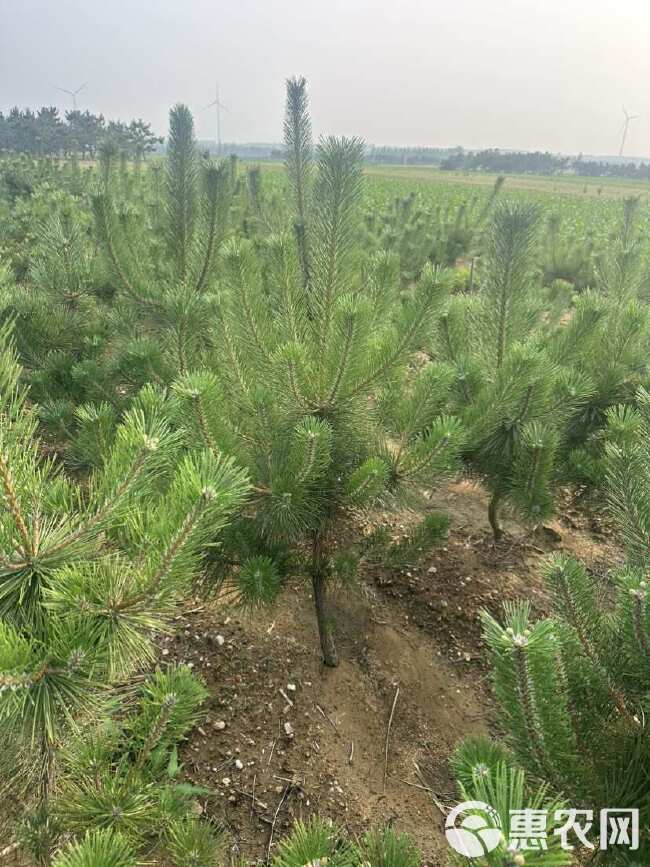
{"points": [[286, 736]]}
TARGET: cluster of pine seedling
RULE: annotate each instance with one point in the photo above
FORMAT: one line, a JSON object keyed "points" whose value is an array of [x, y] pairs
{"points": [[209, 374]]}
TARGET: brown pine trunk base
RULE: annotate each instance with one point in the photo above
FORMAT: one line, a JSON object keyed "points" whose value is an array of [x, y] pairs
{"points": [[493, 517], [318, 580]]}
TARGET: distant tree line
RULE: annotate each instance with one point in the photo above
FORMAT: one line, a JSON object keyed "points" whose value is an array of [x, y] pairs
{"points": [[508, 162], [601, 169], [405, 156], [541, 163], [46, 133]]}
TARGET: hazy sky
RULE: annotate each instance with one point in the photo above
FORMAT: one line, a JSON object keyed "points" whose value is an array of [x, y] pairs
{"points": [[506, 73]]}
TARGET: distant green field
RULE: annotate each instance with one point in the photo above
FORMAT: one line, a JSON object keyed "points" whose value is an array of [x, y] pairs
{"points": [[586, 208], [583, 188], [588, 188]]}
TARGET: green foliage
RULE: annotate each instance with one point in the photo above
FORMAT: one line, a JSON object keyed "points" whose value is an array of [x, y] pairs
{"points": [[316, 841], [121, 773], [46, 133], [295, 366], [163, 261], [60, 318], [298, 161], [523, 656], [606, 342], [567, 261], [431, 531], [572, 690], [191, 843], [103, 848], [506, 307], [258, 580], [517, 401], [175, 320], [89, 575], [474, 757], [507, 789], [388, 848], [418, 230], [168, 710]]}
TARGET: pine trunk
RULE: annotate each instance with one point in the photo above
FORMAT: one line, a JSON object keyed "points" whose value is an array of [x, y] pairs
{"points": [[493, 516], [318, 579]]}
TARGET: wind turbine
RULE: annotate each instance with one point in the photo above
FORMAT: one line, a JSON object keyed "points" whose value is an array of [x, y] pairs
{"points": [[624, 128], [216, 102], [72, 93]]}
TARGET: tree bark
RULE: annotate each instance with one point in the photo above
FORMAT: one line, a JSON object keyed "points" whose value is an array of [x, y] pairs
{"points": [[318, 580], [493, 516]]}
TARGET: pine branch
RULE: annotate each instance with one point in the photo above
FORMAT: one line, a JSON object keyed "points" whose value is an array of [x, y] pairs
{"points": [[337, 196], [157, 730], [105, 510], [216, 195], [171, 555], [102, 209], [298, 161], [11, 498], [181, 184]]}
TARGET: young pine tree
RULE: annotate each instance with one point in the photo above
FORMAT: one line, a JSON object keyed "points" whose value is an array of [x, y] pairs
{"points": [[441, 233], [573, 688], [163, 261], [62, 323], [307, 340], [607, 342], [192, 843], [513, 398], [89, 574], [485, 774], [122, 775]]}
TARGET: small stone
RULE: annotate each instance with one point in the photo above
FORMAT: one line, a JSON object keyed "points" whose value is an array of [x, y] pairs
{"points": [[226, 781], [291, 687], [219, 725], [239, 764], [165, 651], [431, 570], [220, 640]]}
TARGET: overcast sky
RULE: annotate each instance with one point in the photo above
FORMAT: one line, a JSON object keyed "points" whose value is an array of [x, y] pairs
{"points": [[547, 74]]}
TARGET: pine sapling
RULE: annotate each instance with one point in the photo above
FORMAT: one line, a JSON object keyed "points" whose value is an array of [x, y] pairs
{"points": [[294, 378]]}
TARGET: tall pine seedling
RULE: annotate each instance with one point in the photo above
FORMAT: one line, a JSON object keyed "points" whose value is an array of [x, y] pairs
{"points": [[163, 260], [307, 342], [514, 399]]}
